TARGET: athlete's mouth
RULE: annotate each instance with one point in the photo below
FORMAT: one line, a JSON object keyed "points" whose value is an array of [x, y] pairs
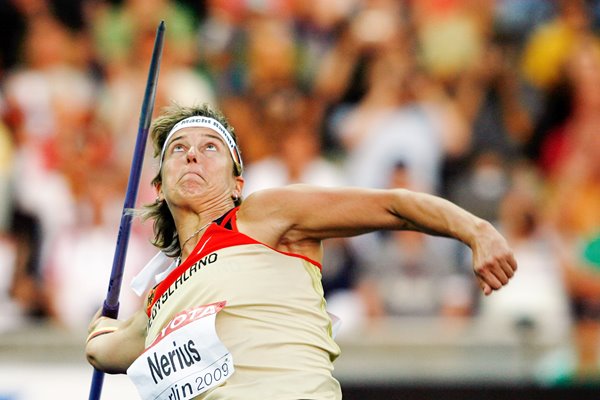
{"points": [[190, 175]]}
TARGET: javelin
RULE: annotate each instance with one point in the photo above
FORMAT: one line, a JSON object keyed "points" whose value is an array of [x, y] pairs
{"points": [[110, 308]]}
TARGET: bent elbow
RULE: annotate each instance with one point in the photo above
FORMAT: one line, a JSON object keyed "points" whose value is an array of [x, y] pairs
{"points": [[97, 359], [92, 358]]}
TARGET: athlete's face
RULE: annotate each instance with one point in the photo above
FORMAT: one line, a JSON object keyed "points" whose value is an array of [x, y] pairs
{"points": [[197, 165]]}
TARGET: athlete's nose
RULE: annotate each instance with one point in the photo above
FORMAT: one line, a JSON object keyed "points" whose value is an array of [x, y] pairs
{"points": [[191, 155]]}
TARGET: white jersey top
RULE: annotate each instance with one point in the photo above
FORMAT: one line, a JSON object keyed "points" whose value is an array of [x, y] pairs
{"points": [[273, 322]]}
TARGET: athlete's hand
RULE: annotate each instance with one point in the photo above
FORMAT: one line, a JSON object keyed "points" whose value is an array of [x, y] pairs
{"points": [[100, 323], [493, 261]]}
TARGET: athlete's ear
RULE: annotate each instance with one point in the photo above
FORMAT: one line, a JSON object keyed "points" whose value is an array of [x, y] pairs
{"points": [[159, 193], [239, 186]]}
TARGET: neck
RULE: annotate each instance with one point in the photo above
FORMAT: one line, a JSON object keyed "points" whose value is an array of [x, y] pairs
{"points": [[192, 225], [195, 235]]}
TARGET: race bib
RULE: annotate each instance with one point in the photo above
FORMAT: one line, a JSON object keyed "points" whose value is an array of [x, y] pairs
{"points": [[186, 358]]}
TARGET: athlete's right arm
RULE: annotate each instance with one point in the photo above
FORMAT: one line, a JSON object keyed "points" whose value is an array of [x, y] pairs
{"points": [[113, 345]]}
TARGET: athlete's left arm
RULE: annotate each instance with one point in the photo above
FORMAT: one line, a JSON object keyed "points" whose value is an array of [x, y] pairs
{"points": [[301, 213]]}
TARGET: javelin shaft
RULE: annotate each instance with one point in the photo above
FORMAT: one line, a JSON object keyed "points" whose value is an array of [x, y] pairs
{"points": [[110, 307], [111, 304]]}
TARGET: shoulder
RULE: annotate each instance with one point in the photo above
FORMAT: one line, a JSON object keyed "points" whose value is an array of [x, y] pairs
{"points": [[271, 214], [275, 202]]}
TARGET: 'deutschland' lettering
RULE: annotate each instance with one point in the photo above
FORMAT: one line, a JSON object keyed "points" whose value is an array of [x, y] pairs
{"points": [[180, 358], [187, 274]]}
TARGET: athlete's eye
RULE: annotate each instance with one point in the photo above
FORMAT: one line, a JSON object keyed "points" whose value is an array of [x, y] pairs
{"points": [[211, 147], [178, 148]]}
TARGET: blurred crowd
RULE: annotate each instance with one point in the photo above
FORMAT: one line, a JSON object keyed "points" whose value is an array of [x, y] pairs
{"points": [[492, 104]]}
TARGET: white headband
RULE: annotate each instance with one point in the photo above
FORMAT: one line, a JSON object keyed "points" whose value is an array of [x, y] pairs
{"points": [[205, 122]]}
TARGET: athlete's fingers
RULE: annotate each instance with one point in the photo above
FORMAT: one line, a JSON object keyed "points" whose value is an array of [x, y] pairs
{"points": [[490, 279], [485, 288], [508, 269], [509, 265], [499, 273], [95, 320]]}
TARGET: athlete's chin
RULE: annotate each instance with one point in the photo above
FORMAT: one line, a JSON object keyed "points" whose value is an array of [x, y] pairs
{"points": [[190, 188], [192, 191], [191, 182], [188, 199], [190, 178]]}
